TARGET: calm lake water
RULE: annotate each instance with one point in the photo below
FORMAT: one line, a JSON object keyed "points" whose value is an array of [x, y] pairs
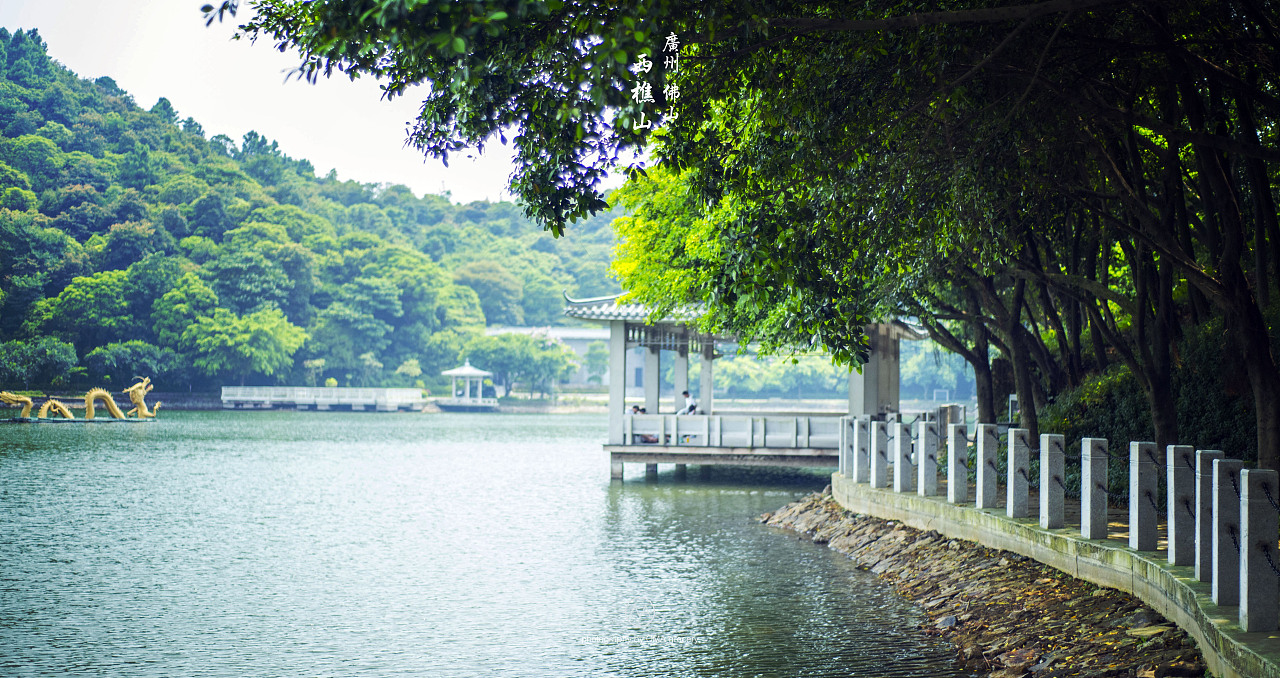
{"points": [[360, 544]]}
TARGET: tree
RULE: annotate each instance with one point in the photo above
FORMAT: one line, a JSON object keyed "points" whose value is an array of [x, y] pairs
{"points": [[246, 281], [209, 217], [120, 362], [597, 361], [42, 361], [262, 342], [314, 368], [137, 170], [92, 310], [370, 369], [536, 361], [189, 298], [499, 292]]}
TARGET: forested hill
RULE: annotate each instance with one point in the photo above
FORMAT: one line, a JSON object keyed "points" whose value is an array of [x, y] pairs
{"points": [[130, 243]]}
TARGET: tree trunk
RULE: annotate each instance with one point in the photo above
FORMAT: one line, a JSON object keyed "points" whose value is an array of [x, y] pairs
{"points": [[1020, 357], [1250, 331]]}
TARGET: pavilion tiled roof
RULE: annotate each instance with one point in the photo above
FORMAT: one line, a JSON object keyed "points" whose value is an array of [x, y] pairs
{"points": [[604, 309]]}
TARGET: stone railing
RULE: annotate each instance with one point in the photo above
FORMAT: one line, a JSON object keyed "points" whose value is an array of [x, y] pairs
{"points": [[1220, 572], [322, 397], [701, 430]]}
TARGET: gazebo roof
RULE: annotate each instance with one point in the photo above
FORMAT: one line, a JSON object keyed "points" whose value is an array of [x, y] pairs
{"points": [[466, 371], [604, 309]]}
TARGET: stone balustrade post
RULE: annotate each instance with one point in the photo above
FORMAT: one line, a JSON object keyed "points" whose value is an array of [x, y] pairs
{"points": [[1204, 513], [1093, 488], [1017, 504], [1053, 491], [879, 454], [904, 472], [988, 441], [1259, 532], [1142, 496], [1180, 513], [1226, 531], [845, 456], [927, 458], [957, 464], [862, 449]]}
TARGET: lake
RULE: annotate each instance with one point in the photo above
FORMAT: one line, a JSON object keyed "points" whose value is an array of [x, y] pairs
{"points": [[362, 544]]}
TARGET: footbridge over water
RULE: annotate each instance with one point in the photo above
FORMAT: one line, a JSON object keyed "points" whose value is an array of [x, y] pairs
{"points": [[710, 436]]}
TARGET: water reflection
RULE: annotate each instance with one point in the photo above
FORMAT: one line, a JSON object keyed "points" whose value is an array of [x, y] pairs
{"points": [[212, 544]]}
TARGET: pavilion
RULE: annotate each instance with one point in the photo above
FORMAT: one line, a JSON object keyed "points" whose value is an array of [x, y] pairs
{"points": [[712, 437], [471, 397]]}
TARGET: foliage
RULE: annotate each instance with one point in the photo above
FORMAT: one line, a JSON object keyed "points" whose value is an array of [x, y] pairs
{"points": [[119, 225], [262, 342], [45, 361], [120, 362], [533, 360]]}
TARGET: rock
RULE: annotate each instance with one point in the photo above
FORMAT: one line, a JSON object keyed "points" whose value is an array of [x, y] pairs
{"points": [[1139, 619], [1002, 611]]}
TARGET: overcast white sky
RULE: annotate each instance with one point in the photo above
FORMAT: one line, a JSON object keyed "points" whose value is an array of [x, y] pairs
{"points": [[161, 48]]}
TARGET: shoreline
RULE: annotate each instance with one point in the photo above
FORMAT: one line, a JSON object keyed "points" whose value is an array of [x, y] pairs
{"points": [[1007, 616]]}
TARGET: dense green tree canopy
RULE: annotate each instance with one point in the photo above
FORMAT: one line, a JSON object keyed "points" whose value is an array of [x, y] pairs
{"points": [[1029, 177], [136, 240]]}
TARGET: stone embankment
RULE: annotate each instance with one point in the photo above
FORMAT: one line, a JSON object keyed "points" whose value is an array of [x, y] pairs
{"points": [[1007, 615]]}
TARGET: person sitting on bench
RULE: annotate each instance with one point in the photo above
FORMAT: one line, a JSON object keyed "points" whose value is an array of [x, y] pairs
{"points": [[690, 405], [643, 437]]}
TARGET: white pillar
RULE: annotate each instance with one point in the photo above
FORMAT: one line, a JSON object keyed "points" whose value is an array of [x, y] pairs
{"points": [[1017, 504], [1259, 531], [1142, 496], [1180, 513], [706, 393], [988, 442], [617, 382], [927, 459], [862, 449], [957, 464], [845, 455], [1093, 488], [874, 391], [1052, 490], [904, 473], [652, 378], [680, 377], [1226, 531], [1204, 513], [879, 454]]}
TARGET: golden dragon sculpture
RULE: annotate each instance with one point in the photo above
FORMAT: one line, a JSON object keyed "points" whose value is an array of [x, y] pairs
{"points": [[137, 394]]}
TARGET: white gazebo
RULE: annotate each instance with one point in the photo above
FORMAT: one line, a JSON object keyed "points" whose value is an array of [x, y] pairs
{"points": [[712, 437], [470, 398]]}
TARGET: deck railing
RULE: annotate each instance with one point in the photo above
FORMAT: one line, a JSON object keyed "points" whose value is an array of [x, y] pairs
{"points": [[267, 396], [702, 430]]}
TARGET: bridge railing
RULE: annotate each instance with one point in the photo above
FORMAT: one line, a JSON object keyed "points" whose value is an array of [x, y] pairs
{"points": [[702, 430], [322, 395]]}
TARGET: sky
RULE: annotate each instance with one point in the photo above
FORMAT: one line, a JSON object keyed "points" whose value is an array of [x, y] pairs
{"points": [[161, 48]]}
